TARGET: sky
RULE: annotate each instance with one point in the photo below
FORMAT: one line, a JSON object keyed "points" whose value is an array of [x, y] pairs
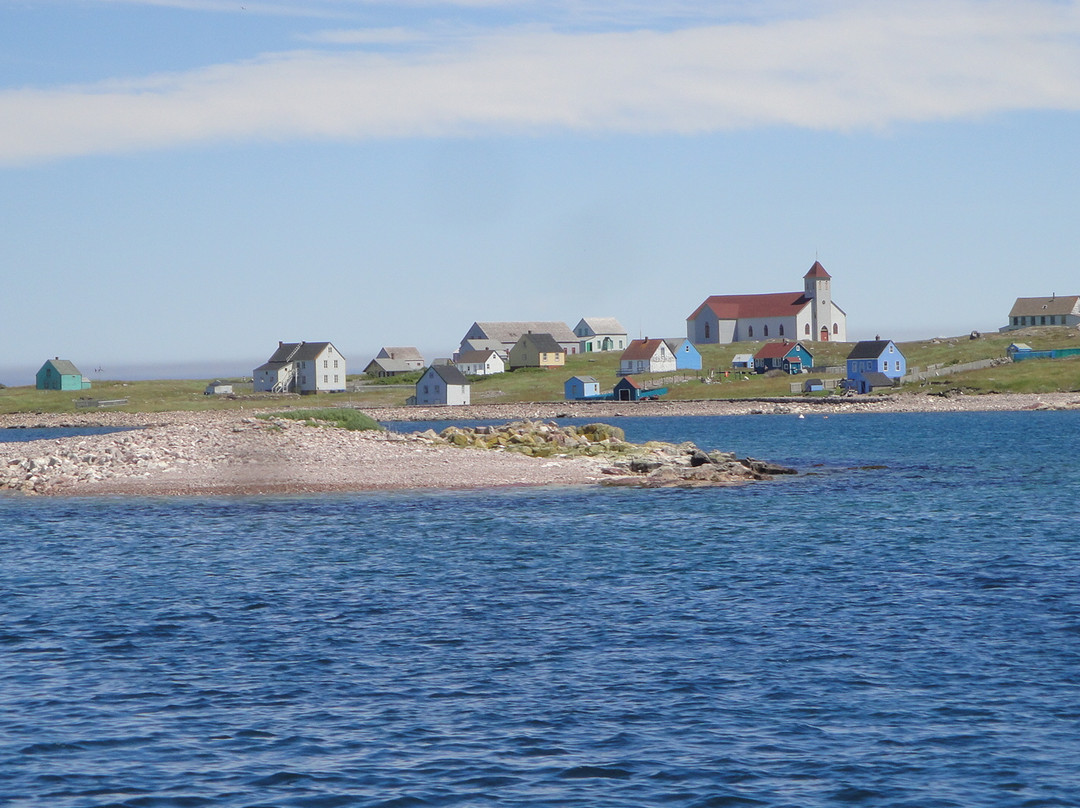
{"points": [[183, 183]]}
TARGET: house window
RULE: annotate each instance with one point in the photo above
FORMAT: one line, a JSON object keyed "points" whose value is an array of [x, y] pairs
{"points": [[706, 334], [750, 331], [890, 349], [329, 348], [335, 364], [436, 388], [1042, 321], [325, 363], [425, 389], [325, 379], [335, 378]]}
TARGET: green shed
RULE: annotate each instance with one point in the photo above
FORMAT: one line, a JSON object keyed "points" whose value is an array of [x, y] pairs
{"points": [[61, 374]]}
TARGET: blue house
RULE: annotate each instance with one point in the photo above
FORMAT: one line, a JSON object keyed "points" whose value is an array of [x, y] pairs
{"points": [[577, 387], [874, 363], [687, 357], [61, 374], [790, 357]]}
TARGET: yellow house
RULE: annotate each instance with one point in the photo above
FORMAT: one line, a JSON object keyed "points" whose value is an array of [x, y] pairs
{"points": [[537, 351]]}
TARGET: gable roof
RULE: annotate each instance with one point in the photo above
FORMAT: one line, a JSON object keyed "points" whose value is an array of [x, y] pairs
{"points": [[403, 353], [543, 343], [641, 349], [583, 379], [817, 271], [778, 350], [675, 344], [297, 351], [870, 349], [602, 325], [65, 367], [510, 332], [740, 307], [877, 379], [389, 365], [1036, 306], [627, 381], [448, 373], [476, 357]]}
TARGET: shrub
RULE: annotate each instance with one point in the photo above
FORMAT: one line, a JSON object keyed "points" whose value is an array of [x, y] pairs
{"points": [[342, 417]]}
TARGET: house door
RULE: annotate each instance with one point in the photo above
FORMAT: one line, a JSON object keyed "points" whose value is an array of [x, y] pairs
{"points": [[824, 334], [624, 395]]}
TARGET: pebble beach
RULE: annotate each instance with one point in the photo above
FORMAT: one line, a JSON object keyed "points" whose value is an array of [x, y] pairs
{"points": [[232, 452]]}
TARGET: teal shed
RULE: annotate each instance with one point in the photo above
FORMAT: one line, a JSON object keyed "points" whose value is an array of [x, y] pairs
{"points": [[61, 374]]}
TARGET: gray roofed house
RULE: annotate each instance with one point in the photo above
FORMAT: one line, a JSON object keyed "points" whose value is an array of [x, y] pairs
{"points": [[442, 385], [394, 361], [60, 374], [537, 351], [480, 363], [508, 333], [301, 367], [1035, 311], [601, 334]]}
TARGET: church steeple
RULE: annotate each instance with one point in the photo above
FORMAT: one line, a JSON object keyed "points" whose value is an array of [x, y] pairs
{"points": [[816, 287]]}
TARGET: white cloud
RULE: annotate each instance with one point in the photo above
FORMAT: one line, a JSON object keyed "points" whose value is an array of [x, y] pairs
{"points": [[853, 68]]}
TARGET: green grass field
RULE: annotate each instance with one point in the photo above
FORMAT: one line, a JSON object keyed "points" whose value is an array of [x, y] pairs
{"points": [[1032, 376]]}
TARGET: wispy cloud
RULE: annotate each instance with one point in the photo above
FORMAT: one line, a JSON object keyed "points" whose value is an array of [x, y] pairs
{"points": [[855, 67]]}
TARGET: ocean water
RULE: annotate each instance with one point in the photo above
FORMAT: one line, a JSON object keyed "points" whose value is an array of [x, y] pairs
{"points": [[897, 626]]}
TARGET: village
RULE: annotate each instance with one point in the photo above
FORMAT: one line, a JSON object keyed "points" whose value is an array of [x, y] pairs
{"points": [[790, 330]]}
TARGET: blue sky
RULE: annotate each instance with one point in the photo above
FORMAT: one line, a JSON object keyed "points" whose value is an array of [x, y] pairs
{"points": [[183, 183]]}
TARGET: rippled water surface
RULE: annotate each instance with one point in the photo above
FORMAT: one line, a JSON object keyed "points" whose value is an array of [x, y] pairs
{"points": [[898, 626]]}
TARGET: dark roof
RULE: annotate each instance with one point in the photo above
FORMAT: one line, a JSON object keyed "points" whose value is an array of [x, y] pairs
{"points": [[628, 381], [817, 271], [869, 349], [876, 379], [296, 351], [475, 357], [544, 343], [449, 374]]}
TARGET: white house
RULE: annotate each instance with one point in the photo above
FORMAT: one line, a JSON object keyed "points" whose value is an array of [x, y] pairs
{"points": [[646, 356], [442, 384], [301, 367], [806, 315], [601, 334], [480, 363]]}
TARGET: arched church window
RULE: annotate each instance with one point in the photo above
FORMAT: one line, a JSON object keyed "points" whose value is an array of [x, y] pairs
{"points": [[750, 331], [806, 329]]}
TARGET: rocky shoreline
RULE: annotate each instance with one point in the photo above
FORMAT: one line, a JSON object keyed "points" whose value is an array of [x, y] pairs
{"points": [[235, 452]]}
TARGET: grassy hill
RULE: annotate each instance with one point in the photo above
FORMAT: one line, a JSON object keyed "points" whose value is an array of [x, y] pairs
{"points": [[1032, 376]]}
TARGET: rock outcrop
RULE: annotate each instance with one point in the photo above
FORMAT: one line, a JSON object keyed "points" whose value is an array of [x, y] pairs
{"points": [[654, 464]]}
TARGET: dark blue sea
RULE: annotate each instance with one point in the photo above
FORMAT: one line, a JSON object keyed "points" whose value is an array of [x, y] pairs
{"points": [[899, 625]]}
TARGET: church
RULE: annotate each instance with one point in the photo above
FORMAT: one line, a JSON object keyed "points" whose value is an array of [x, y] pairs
{"points": [[806, 315]]}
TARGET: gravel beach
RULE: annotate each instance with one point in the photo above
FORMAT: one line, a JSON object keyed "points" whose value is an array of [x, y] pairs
{"points": [[235, 453]]}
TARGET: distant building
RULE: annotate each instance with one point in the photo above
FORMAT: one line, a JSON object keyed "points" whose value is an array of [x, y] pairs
{"points": [[1034, 311], [218, 389], [395, 362], [790, 357], [806, 315], [687, 357], [646, 356], [874, 363], [601, 334], [537, 351], [443, 385], [578, 387], [508, 333], [480, 363], [61, 374], [301, 367], [742, 360]]}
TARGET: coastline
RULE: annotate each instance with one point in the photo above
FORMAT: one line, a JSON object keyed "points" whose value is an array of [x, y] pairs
{"points": [[230, 452]]}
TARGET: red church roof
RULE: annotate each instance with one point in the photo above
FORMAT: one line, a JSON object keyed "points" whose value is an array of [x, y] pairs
{"points": [[817, 271], [737, 307]]}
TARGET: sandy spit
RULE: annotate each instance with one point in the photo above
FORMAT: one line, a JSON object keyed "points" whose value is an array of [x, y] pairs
{"points": [[234, 453]]}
